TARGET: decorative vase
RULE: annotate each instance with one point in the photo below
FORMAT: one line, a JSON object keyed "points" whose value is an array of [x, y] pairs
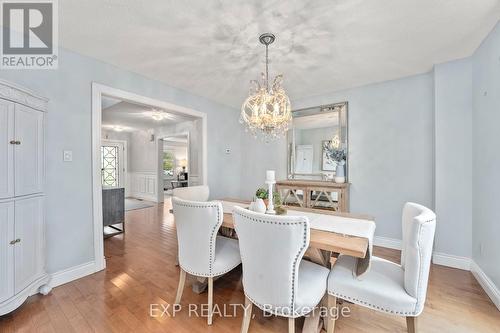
{"points": [[259, 206], [340, 173]]}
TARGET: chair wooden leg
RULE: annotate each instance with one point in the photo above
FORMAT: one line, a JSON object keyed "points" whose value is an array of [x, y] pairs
{"points": [[411, 324], [332, 312], [291, 325], [210, 299], [247, 316], [312, 322], [180, 287]]}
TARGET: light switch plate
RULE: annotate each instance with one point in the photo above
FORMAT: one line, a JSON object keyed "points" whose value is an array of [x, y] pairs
{"points": [[67, 156]]}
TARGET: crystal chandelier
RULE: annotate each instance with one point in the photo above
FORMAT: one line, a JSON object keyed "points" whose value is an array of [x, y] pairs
{"points": [[267, 109]]}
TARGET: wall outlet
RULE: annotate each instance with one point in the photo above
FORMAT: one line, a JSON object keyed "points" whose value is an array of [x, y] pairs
{"points": [[67, 156]]}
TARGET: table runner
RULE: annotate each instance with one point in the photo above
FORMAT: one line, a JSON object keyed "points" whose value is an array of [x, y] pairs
{"points": [[338, 224]]}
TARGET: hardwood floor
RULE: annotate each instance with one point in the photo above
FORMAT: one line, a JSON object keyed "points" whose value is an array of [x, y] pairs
{"points": [[141, 271]]}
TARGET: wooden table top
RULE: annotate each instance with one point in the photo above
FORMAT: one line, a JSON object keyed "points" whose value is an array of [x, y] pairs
{"points": [[325, 240], [311, 183]]}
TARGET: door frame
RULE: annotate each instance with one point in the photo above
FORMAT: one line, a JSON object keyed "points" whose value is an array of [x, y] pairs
{"points": [[188, 153], [122, 161], [98, 91]]}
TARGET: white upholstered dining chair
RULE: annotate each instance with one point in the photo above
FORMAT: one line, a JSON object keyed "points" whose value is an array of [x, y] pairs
{"points": [[275, 278], [192, 193], [388, 287], [201, 252]]}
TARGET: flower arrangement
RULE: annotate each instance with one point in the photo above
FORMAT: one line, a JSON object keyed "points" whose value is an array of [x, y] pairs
{"points": [[334, 154]]}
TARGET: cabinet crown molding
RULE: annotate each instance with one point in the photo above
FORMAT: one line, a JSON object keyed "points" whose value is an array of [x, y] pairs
{"points": [[12, 92]]}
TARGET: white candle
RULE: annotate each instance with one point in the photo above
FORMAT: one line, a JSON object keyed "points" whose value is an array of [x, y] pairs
{"points": [[270, 175]]}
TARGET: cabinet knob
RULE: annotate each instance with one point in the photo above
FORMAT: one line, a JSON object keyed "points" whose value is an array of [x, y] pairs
{"points": [[15, 241], [15, 142]]}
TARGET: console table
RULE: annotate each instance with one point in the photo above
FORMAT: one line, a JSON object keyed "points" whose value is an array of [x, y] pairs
{"points": [[314, 194], [113, 209]]}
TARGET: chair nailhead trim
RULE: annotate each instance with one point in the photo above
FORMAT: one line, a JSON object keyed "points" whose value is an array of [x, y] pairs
{"points": [[213, 236], [375, 307], [294, 265], [214, 274]]}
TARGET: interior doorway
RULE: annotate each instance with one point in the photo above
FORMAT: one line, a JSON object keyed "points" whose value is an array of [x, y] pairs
{"points": [[176, 166], [109, 156]]}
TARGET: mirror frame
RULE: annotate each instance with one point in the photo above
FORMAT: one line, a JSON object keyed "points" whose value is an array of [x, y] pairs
{"points": [[291, 139]]}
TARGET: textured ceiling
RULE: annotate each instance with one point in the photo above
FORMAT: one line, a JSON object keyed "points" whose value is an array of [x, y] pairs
{"points": [[211, 48]]}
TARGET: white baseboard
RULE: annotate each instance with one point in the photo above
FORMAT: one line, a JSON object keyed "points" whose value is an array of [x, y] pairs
{"points": [[489, 287], [390, 243], [450, 260], [453, 261], [438, 258], [73, 273]]}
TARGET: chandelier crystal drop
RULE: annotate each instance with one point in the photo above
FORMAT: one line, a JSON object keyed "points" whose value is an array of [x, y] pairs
{"points": [[267, 109]]}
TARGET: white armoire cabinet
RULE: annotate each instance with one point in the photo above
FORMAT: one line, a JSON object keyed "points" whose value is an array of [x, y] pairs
{"points": [[22, 217]]}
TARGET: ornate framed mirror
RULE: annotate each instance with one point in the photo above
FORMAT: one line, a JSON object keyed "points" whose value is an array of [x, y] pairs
{"points": [[318, 143]]}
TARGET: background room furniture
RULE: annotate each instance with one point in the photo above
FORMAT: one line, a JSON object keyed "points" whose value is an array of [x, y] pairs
{"points": [[178, 183], [193, 193], [314, 194], [201, 252], [388, 287], [22, 213], [113, 210], [275, 278]]}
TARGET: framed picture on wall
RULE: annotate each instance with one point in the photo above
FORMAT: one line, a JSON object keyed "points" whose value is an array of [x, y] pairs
{"points": [[327, 164]]}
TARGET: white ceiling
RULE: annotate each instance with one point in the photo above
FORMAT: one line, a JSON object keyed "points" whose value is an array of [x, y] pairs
{"points": [[211, 48], [133, 117]]}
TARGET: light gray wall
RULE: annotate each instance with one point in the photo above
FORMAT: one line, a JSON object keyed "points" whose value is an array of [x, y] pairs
{"points": [[69, 185], [391, 141], [258, 156], [390, 147], [143, 152], [453, 157], [486, 157]]}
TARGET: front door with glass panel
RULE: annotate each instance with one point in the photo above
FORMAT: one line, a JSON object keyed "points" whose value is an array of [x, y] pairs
{"points": [[112, 166]]}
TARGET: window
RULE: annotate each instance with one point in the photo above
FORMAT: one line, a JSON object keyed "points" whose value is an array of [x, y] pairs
{"points": [[109, 165], [168, 164]]}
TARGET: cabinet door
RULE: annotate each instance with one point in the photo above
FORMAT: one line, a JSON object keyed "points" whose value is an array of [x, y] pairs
{"points": [[28, 155], [29, 250], [6, 149], [6, 250]]}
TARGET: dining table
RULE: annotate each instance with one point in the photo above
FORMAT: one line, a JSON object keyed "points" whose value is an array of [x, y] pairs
{"points": [[331, 234], [336, 233]]}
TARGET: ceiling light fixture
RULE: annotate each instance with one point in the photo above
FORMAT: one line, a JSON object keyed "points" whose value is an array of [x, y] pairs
{"points": [[157, 115], [267, 109]]}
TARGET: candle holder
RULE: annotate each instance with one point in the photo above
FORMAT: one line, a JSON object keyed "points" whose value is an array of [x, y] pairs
{"points": [[270, 205]]}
